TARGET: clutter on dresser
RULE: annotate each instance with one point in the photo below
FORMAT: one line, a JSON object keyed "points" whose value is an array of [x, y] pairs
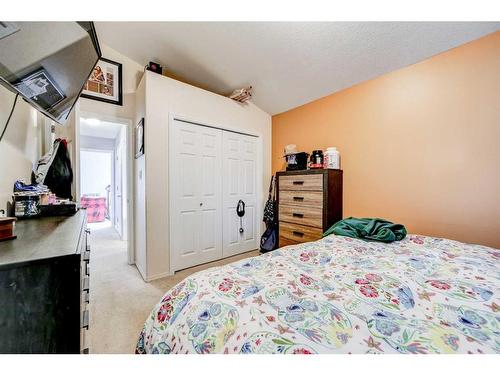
{"points": [[332, 158], [61, 207], [27, 198], [154, 67], [242, 95], [26, 206], [295, 160], [316, 161], [34, 200], [7, 225]]}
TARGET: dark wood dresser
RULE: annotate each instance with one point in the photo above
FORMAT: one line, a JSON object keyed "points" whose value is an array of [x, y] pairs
{"points": [[44, 286], [309, 202]]}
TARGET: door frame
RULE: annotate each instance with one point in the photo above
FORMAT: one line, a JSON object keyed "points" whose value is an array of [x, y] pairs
{"points": [[259, 169], [128, 170], [121, 142]]}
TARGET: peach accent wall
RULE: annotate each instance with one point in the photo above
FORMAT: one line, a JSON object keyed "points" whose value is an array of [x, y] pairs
{"points": [[419, 146]]}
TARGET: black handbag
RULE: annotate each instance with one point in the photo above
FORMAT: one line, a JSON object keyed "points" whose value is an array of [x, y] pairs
{"points": [[269, 240], [270, 207]]}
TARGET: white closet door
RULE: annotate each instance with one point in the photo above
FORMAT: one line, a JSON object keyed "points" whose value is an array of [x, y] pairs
{"points": [[196, 196], [239, 182]]}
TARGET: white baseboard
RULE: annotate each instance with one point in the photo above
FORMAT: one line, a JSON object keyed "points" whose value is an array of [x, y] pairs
{"points": [[157, 276]]}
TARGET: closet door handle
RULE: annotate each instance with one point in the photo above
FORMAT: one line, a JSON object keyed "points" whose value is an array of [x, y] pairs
{"points": [[296, 214], [298, 182], [298, 199], [298, 234]]}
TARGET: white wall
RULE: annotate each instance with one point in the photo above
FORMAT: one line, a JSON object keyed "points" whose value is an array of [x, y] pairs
{"points": [[20, 148], [165, 96], [96, 172], [121, 184]]}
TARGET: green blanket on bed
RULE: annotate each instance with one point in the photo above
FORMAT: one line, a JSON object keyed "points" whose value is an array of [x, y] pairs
{"points": [[368, 229]]}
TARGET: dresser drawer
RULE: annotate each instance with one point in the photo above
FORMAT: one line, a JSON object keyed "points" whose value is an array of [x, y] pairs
{"points": [[301, 198], [84, 341], [307, 182], [85, 319], [286, 242], [299, 233], [304, 215]]}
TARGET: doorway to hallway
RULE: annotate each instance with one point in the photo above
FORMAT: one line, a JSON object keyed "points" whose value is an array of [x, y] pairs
{"points": [[103, 178]]}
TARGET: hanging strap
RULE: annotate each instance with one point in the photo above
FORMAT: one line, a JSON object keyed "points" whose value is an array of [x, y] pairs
{"points": [[271, 186], [273, 182]]}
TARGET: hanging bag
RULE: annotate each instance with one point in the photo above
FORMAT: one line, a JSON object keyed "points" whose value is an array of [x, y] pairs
{"points": [[270, 207], [269, 239]]}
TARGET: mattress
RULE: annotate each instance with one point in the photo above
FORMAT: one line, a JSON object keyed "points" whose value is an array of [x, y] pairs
{"points": [[337, 295]]}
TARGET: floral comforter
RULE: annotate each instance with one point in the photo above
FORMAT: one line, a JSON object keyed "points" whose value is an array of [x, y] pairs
{"points": [[337, 295]]}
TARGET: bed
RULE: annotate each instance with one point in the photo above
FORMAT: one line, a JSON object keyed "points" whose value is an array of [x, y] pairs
{"points": [[337, 295]]}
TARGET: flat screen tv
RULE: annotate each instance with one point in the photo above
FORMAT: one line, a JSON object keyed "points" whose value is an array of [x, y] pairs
{"points": [[48, 63]]}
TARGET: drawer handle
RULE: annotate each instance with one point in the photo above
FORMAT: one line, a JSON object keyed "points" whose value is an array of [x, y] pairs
{"points": [[86, 297], [295, 214], [298, 182], [86, 284], [298, 234], [298, 199], [85, 320]]}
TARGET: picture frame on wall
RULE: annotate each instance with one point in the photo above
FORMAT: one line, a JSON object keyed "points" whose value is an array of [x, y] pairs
{"points": [[139, 139], [105, 82]]}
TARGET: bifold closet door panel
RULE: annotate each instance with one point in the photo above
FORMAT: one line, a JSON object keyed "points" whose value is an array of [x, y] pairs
{"points": [[239, 183], [196, 196]]}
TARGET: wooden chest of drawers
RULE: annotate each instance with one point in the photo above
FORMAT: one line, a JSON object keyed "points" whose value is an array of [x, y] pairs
{"points": [[309, 202], [44, 286]]}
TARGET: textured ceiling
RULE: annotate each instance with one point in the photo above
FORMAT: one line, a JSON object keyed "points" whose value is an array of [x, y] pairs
{"points": [[287, 63]]}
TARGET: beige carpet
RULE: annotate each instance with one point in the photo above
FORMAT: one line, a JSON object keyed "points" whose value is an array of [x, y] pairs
{"points": [[120, 300]]}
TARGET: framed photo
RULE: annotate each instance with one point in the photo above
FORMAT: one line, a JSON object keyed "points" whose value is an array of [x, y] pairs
{"points": [[139, 139], [105, 83]]}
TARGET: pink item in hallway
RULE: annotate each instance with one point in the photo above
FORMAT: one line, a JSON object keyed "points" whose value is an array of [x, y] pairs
{"points": [[96, 208]]}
